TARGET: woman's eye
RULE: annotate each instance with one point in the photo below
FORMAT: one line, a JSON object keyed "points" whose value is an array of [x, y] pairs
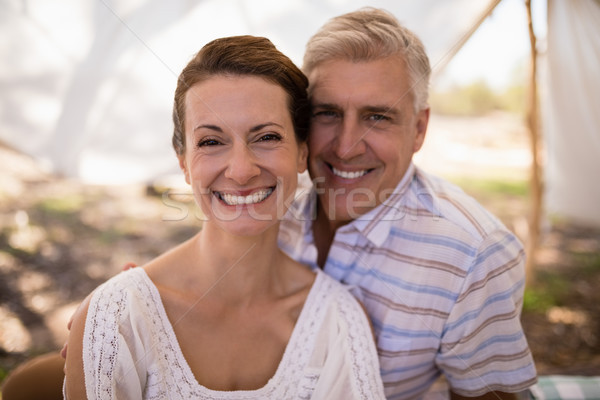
{"points": [[208, 142], [269, 137]]}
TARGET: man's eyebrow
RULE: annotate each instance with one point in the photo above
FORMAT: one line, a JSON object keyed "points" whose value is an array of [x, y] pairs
{"points": [[387, 110], [324, 105], [379, 109]]}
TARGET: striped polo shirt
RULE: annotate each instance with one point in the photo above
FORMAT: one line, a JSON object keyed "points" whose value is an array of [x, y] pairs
{"points": [[442, 281]]}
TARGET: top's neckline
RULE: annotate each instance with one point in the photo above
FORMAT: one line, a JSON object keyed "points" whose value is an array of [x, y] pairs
{"points": [[288, 354]]}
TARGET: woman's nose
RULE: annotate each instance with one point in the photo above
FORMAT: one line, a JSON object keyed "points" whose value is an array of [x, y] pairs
{"points": [[242, 165]]}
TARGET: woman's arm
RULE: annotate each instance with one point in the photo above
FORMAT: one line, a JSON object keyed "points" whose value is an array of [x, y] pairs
{"points": [[74, 373]]}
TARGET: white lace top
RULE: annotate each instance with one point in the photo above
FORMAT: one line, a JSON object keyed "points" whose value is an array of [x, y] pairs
{"points": [[130, 350]]}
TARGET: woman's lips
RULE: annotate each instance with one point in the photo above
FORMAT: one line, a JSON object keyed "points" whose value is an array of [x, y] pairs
{"points": [[253, 198]]}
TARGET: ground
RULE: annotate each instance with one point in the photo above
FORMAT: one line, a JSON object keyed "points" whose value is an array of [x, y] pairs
{"points": [[59, 239]]}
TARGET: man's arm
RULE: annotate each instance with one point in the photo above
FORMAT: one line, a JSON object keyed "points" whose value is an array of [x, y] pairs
{"points": [[487, 313], [487, 396]]}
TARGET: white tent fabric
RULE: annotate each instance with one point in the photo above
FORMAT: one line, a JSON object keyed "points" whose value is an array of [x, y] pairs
{"points": [[87, 85], [572, 123]]}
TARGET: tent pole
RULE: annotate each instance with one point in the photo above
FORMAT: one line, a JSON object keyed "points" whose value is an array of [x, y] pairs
{"points": [[536, 181], [443, 62]]}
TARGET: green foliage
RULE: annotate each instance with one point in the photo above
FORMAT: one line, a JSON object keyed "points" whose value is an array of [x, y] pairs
{"points": [[61, 205], [110, 236], [548, 291], [538, 301], [483, 188], [477, 99], [589, 262], [513, 100], [3, 374]]}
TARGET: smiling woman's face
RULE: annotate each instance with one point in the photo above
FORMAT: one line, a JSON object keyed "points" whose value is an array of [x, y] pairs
{"points": [[242, 157]]}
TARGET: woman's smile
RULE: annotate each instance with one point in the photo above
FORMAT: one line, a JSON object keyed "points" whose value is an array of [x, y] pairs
{"points": [[232, 199]]}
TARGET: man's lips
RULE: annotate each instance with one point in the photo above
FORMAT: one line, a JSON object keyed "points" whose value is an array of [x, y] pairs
{"points": [[253, 198]]}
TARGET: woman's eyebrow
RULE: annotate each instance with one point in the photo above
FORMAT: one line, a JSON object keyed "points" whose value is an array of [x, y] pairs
{"points": [[256, 128], [209, 126], [262, 126]]}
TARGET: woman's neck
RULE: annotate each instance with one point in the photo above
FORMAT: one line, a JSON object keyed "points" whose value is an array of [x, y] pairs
{"points": [[243, 267]]}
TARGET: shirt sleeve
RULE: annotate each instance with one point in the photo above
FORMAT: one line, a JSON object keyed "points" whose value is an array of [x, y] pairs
{"points": [[345, 359], [483, 345], [112, 355]]}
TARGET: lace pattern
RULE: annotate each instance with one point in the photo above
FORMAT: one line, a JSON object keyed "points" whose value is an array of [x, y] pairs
{"points": [[100, 341], [362, 346], [131, 303]]}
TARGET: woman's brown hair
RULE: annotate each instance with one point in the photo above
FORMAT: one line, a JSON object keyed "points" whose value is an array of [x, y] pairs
{"points": [[243, 55]]}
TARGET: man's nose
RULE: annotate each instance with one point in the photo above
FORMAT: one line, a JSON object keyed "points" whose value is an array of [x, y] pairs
{"points": [[242, 164], [349, 141]]}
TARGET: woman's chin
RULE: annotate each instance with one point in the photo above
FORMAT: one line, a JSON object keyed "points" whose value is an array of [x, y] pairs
{"points": [[247, 227]]}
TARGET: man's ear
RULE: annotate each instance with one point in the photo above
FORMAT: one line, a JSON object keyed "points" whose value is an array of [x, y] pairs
{"points": [[184, 168], [302, 157], [421, 128]]}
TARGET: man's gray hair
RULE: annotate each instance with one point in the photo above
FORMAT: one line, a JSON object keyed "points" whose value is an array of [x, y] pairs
{"points": [[369, 34]]}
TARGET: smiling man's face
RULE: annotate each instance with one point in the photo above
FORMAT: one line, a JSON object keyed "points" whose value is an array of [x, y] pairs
{"points": [[364, 132]]}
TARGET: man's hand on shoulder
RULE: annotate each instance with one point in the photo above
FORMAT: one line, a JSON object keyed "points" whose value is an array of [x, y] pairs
{"points": [[129, 265]]}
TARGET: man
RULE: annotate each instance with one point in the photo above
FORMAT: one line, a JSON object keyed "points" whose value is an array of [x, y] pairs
{"points": [[440, 277]]}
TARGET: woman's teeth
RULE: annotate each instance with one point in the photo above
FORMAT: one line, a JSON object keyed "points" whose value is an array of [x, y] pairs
{"points": [[348, 174], [256, 197]]}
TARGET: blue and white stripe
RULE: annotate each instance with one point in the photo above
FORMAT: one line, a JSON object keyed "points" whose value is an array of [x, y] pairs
{"points": [[442, 280]]}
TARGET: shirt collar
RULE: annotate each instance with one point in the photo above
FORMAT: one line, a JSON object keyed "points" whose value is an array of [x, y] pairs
{"points": [[304, 208], [377, 223]]}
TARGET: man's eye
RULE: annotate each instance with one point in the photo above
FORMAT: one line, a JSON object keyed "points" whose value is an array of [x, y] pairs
{"points": [[325, 114], [208, 142], [378, 117]]}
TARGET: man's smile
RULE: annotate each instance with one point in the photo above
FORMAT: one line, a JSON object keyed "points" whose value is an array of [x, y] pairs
{"points": [[349, 174]]}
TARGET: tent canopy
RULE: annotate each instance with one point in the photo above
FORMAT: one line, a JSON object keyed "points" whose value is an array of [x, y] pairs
{"points": [[87, 86]]}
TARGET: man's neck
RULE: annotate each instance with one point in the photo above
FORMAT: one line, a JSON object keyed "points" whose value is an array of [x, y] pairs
{"points": [[323, 230]]}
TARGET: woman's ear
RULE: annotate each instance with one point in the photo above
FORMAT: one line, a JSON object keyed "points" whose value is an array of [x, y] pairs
{"points": [[184, 168], [302, 157]]}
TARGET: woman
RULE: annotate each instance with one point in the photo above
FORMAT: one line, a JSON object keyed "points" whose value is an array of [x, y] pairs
{"points": [[227, 314]]}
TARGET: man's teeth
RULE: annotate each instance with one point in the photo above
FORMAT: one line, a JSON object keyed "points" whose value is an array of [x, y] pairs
{"points": [[256, 197], [349, 174]]}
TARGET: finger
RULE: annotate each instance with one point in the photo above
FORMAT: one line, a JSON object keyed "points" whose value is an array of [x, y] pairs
{"points": [[129, 265], [63, 351]]}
